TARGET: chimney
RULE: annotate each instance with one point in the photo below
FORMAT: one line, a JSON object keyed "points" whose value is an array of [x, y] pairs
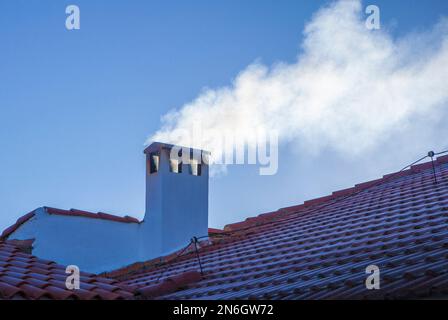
{"points": [[176, 196]]}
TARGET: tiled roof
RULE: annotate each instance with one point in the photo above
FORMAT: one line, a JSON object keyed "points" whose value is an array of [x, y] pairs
{"points": [[320, 249], [23, 276]]}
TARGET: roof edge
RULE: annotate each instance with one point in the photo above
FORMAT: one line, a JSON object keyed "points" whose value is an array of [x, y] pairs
{"points": [[70, 213], [11, 229], [265, 217], [92, 215]]}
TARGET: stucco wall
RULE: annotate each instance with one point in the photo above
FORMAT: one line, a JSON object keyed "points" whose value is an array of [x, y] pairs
{"points": [[93, 245]]}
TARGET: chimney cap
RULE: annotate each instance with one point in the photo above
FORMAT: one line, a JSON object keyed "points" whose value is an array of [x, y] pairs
{"points": [[156, 146]]}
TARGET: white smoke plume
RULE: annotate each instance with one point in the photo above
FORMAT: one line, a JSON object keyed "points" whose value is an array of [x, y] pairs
{"points": [[349, 90]]}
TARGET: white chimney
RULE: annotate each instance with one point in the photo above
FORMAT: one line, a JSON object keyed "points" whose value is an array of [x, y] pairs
{"points": [[176, 196]]}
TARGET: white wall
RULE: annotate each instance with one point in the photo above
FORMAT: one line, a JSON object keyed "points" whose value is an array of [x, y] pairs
{"points": [[94, 245]]}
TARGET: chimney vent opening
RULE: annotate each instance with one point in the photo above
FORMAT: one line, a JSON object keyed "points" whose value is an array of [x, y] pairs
{"points": [[195, 168], [175, 166], [153, 165]]}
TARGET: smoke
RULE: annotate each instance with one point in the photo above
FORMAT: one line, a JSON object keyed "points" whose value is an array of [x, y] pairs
{"points": [[349, 90]]}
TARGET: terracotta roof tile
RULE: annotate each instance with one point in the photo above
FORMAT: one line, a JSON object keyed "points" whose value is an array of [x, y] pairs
{"points": [[170, 284], [86, 214], [8, 291], [23, 276]]}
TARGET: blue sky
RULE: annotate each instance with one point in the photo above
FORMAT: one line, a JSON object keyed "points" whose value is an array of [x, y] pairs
{"points": [[77, 106]]}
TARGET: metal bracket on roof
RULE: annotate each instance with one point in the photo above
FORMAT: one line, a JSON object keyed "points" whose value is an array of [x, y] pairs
{"points": [[195, 241], [431, 155]]}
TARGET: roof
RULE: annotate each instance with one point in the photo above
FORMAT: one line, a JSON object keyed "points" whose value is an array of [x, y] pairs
{"points": [[71, 213], [320, 249], [23, 276]]}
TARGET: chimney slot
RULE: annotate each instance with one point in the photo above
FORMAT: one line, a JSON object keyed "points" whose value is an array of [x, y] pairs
{"points": [[195, 168], [175, 166], [153, 165]]}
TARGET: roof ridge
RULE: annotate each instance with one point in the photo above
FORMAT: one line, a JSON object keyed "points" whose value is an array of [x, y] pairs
{"points": [[71, 213], [21, 220], [87, 214], [269, 216]]}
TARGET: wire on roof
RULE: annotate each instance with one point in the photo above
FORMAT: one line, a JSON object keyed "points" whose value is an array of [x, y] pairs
{"points": [[335, 201], [169, 263], [442, 152], [195, 241]]}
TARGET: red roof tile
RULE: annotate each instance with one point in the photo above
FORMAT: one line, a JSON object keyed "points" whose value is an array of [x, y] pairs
{"points": [[23, 276], [320, 249], [170, 284], [215, 231], [86, 214]]}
